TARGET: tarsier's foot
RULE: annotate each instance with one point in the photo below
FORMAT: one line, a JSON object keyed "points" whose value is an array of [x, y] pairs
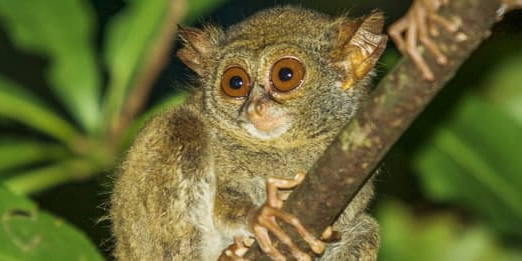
{"points": [[265, 222], [419, 25], [237, 250]]}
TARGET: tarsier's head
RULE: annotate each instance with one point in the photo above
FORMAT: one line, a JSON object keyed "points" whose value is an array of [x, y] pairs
{"points": [[285, 75]]}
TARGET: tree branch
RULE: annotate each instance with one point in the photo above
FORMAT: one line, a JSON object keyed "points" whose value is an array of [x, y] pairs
{"points": [[400, 97]]}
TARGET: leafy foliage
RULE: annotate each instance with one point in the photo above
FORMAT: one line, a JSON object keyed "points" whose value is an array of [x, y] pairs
{"points": [[464, 163], [28, 233], [81, 143], [62, 31], [504, 85], [18, 153], [20, 105], [440, 236]]}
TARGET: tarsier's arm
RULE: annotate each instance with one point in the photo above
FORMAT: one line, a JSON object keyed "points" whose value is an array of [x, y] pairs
{"points": [[158, 187]]}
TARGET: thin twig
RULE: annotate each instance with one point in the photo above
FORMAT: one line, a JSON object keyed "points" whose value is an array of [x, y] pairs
{"points": [[154, 63], [400, 97]]}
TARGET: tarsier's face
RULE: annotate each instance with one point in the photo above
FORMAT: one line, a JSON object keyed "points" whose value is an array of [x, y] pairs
{"points": [[262, 114], [279, 92], [283, 77]]}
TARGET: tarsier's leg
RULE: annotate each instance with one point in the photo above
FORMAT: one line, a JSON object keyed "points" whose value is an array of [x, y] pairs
{"points": [[265, 222], [417, 25]]}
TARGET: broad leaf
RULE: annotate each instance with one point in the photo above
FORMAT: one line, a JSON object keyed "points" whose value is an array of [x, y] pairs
{"points": [[19, 105], [38, 179], [474, 160], [61, 30], [16, 152], [28, 233], [407, 237], [503, 85]]}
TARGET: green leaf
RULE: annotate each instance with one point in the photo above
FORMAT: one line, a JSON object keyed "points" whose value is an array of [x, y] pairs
{"points": [[436, 237], [45, 177], [473, 160], [130, 41], [19, 105], [28, 233], [61, 30], [16, 152], [503, 85]]}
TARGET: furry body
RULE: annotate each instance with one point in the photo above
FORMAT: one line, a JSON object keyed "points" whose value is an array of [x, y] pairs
{"points": [[195, 174]]}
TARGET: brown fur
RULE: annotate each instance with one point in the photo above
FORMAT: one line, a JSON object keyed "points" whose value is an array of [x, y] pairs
{"points": [[194, 176]]}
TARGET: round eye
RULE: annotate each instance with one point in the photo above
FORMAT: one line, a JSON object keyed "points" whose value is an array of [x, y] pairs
{"points": [[287, 74], [235, 82]]}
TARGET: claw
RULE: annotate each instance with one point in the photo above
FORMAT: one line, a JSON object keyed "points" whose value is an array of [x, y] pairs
{"points": [[237, 250], [329, 235]]}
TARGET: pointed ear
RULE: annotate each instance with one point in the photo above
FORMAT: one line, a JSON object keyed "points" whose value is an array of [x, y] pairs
{"points": [[198, 46], [358, 46]]}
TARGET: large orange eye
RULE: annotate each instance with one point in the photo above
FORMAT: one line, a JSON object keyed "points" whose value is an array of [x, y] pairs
{"points": [[235, 82], [287, 74]]}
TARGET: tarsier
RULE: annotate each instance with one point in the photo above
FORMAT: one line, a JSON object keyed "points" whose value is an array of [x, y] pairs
{"points": [[274, 92], [202, 180]]}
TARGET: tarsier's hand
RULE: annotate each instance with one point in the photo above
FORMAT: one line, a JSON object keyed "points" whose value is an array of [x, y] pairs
{"points": [[264, 222], [420, 24]]}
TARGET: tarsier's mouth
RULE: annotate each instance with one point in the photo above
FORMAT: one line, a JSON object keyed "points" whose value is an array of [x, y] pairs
{"points": [[266, 135], [267, 126]]}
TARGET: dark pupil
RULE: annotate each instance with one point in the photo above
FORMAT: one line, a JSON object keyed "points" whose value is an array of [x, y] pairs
{"points": [[236, 82], [286, 74]]}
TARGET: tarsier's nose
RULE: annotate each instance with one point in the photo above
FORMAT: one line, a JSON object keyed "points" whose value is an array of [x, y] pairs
{"points": [[258, 102], [258, 106], [261, 112]]}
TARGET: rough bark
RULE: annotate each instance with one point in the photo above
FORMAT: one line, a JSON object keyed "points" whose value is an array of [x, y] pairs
{"points": [[399, 98]]}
